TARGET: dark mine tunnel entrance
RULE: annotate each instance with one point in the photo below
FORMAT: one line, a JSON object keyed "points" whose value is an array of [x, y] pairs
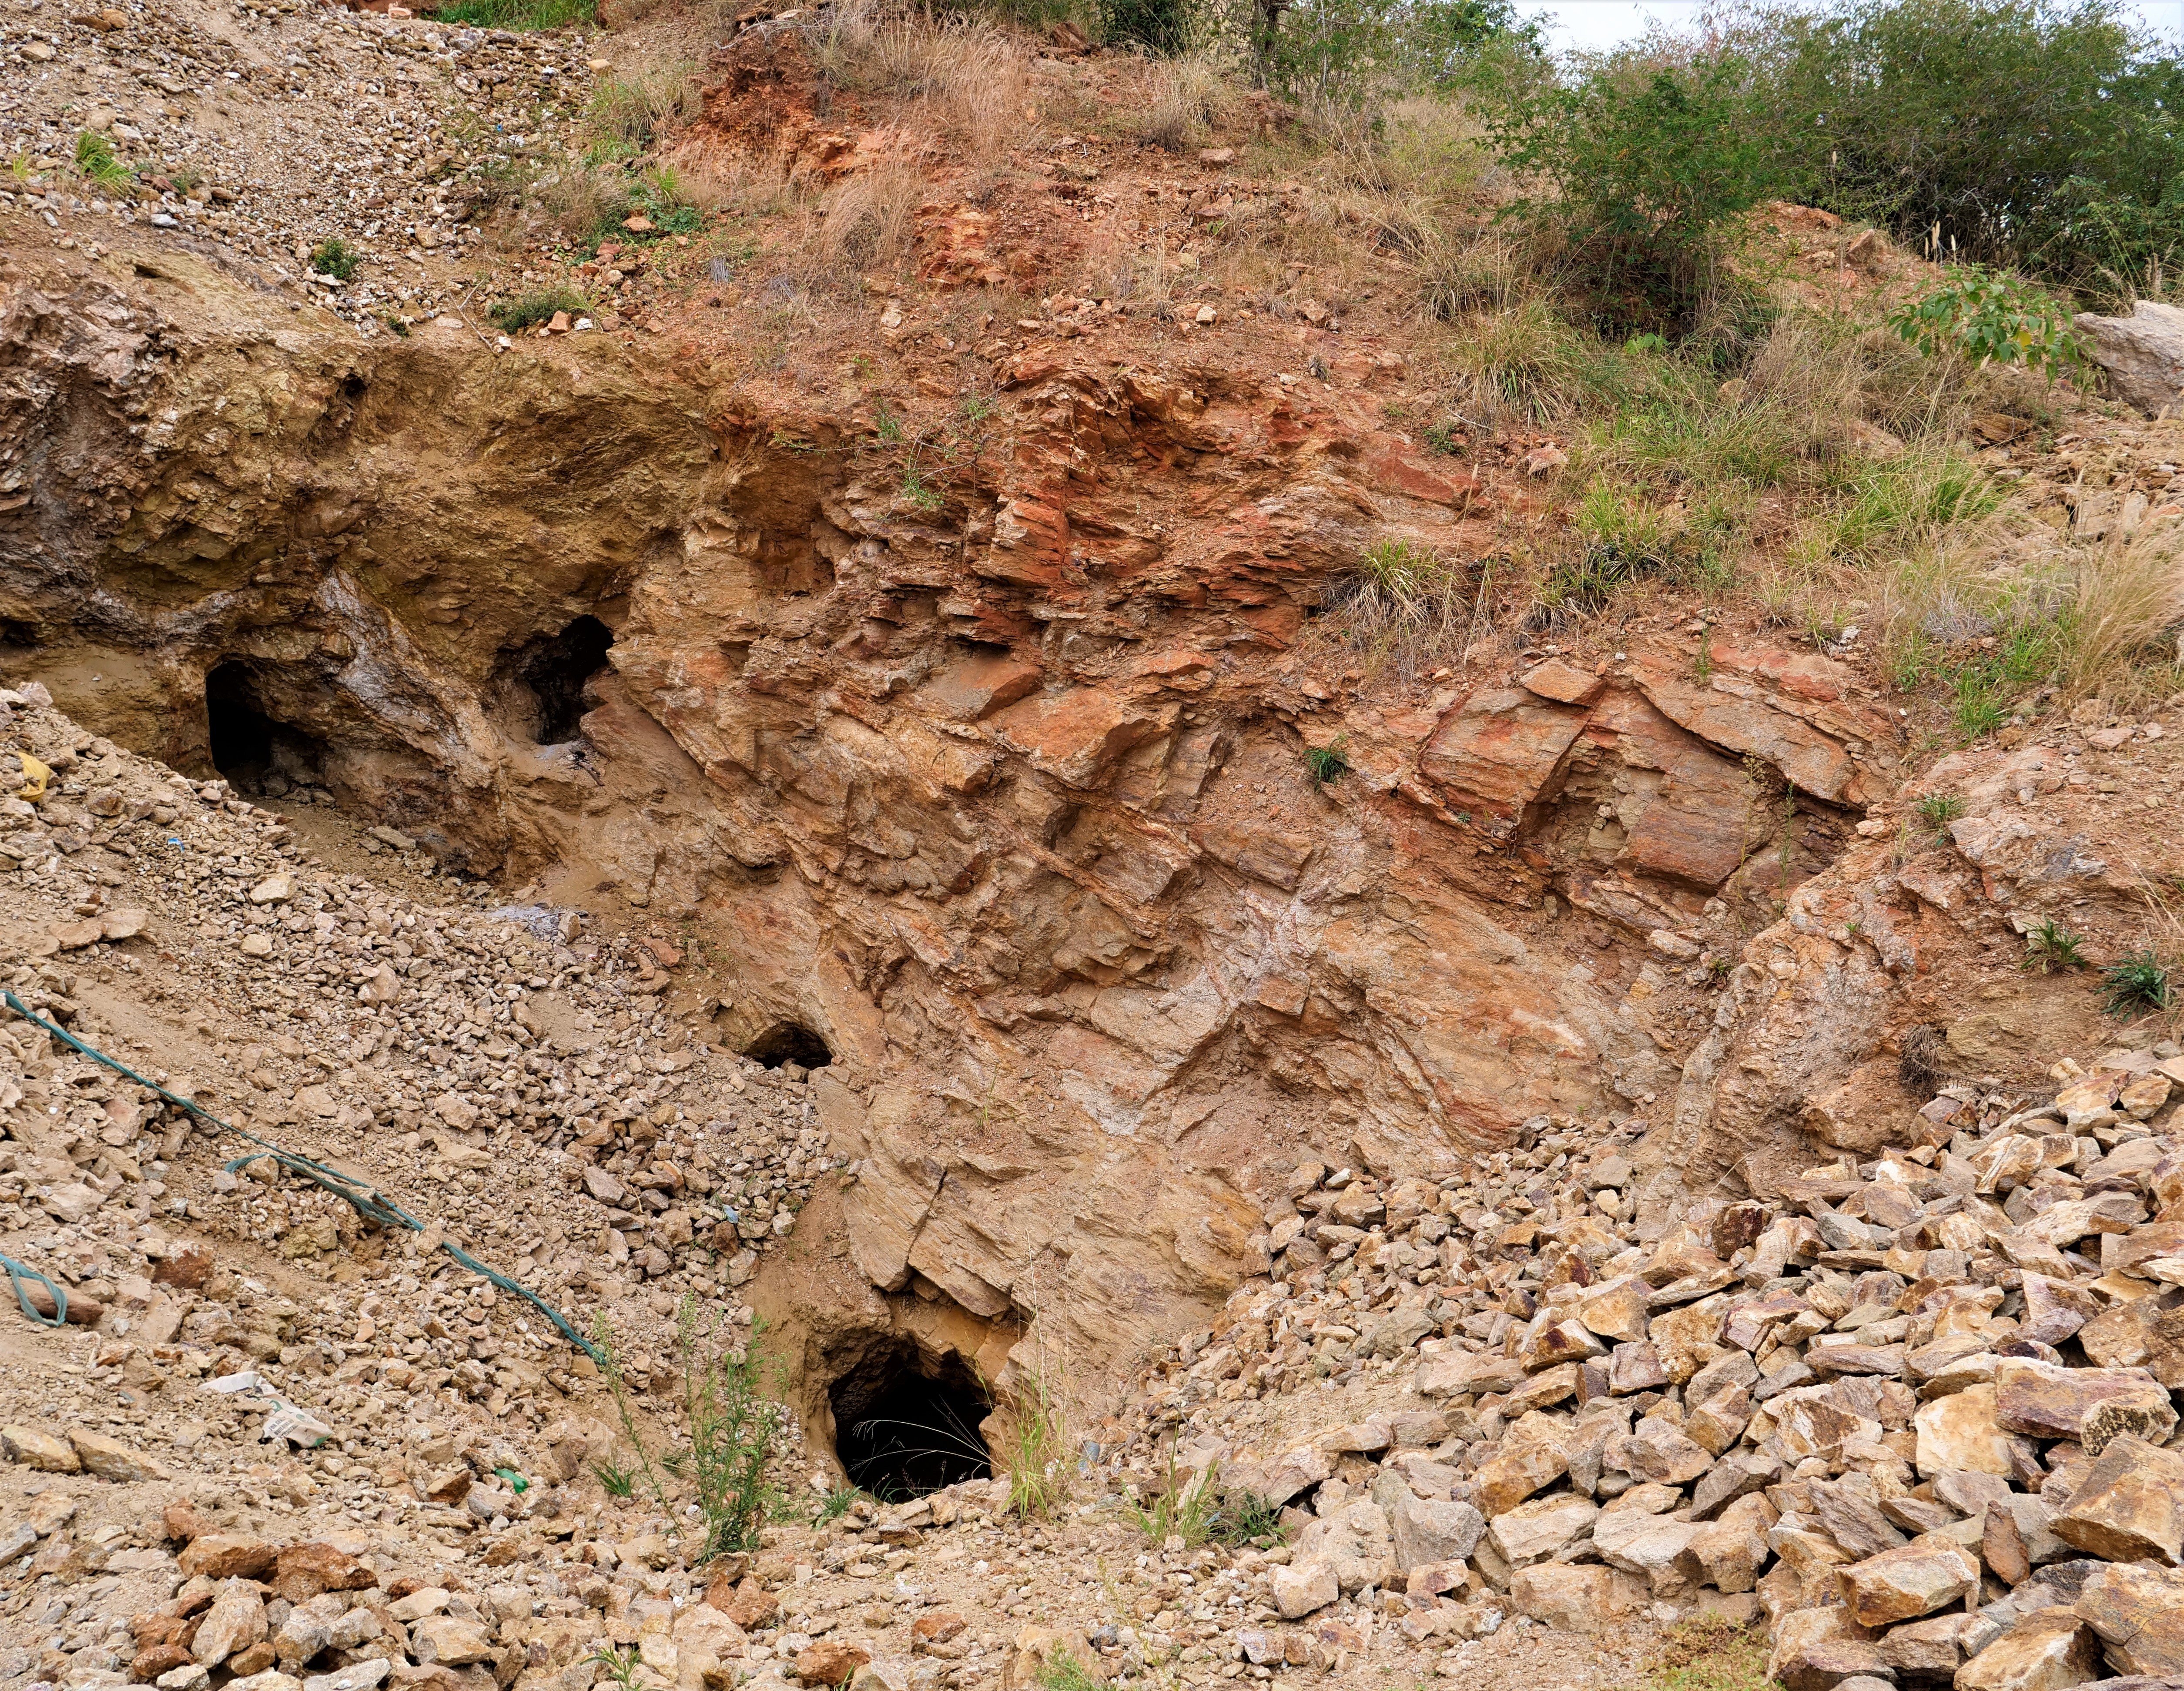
{"points": [[905, 1425], [555, 668], [789, 1042], [253, 749]]}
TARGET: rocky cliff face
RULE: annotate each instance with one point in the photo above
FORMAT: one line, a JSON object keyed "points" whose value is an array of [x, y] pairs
{"points": [[994, 785]]}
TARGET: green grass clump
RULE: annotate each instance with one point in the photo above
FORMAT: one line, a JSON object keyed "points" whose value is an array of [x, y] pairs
{"points": [[335, 259], [528, 310], [1326, 764], [2136, 986], [94, 157], [1938, 809], [1038, 1445], [519, 14]]}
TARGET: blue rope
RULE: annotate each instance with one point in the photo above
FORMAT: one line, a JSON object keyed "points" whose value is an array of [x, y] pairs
{"points": [[368, 1201], [17, 1274]]}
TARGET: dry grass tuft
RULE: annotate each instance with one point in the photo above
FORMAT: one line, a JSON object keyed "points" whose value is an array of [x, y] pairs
{"points": [[971, 81], [2125, 611], [636, 107], [1191, 98], [867, 223]]}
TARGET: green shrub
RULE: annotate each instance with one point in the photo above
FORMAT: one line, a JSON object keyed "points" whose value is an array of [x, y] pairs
{"points": [[335, 259], [1993, 318], [528, 310], [2041, 133], [1648, 165]]}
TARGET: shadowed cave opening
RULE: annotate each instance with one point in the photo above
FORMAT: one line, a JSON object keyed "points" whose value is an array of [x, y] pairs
{"points": [[255, 751], [555, 667], [789, 1042], [905, 1425]]}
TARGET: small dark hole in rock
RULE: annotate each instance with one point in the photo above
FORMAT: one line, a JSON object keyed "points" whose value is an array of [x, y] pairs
{"points": [[787, 1043], [556, 668], [255, 751], [904, 1425]]}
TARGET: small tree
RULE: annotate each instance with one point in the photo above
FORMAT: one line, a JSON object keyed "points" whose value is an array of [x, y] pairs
{"points": [[1648, 165]]}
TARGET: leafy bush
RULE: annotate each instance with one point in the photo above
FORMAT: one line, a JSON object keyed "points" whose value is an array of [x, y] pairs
{"points": [[335, 259], [1454, 43], [1993, 318], [2041, 133], [1647, 166]]}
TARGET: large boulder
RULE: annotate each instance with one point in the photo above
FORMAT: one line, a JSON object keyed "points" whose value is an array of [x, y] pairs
{"points": [[2141, 355]]}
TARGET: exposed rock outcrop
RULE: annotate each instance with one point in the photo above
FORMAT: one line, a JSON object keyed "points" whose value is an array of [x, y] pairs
{"points": [[996, 790], [2142, 354]]}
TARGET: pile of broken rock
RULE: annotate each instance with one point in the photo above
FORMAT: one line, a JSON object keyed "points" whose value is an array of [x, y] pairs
{"points": [[1914, 1413]]}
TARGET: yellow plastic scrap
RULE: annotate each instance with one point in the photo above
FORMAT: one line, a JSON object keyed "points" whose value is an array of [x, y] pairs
{"points": [[36, 774]]}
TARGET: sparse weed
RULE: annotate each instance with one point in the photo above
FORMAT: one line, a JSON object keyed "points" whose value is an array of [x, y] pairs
{"points": [[1938, 809], [731, 1427], [529, 310], [2049, 947], [1063, 1672], [620, 1666], [835, 1505], [1183, 1507], [1709, 1655], [2135, 986], [1038, 1445], [615, 1479]]}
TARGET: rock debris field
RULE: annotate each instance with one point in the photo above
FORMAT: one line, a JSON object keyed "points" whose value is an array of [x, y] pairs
{"points": [[1912, 1415], [266, 130]]}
